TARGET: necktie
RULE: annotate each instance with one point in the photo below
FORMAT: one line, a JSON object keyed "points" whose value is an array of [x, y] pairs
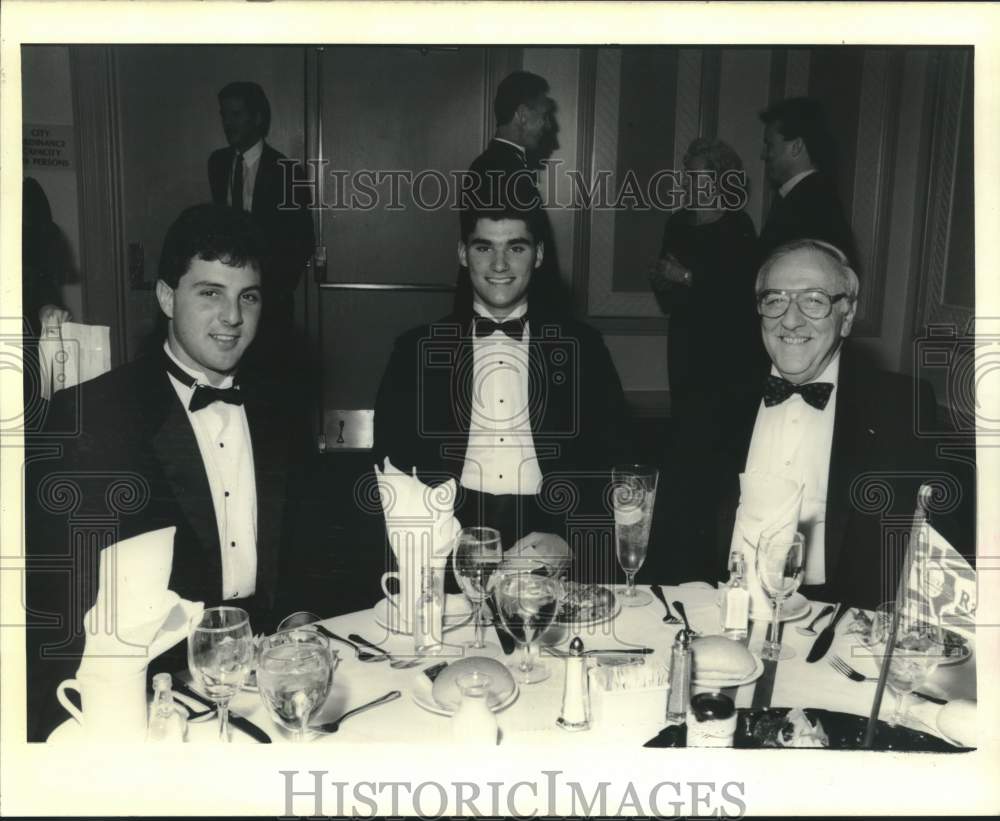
{"points": [[204, 395], [514, 328], [777, 390], [237, 192]]}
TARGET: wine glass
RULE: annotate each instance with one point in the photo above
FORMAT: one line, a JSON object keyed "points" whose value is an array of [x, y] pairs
{"points": [[527, 603], [633, 493], [476, 557], [918, 649], [220, 654], [294, 675], [781, 559]]}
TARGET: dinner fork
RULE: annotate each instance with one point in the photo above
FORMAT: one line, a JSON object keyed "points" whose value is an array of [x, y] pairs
{"points": [[845, 669], [396, 663], [670, 618]]}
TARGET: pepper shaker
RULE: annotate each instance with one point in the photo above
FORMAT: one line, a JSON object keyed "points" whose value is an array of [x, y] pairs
{"points": [[680, 678], [575, 713]]}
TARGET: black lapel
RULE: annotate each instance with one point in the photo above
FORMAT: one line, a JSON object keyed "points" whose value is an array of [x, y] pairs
{"points": [[175, 447]]}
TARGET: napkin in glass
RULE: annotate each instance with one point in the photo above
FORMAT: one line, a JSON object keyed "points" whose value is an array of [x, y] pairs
{"points": [[135, 617], [768, 503]]}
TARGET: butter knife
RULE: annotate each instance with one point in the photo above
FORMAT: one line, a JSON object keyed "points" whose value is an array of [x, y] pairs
{"points": [[825, 638], [240, 723]]}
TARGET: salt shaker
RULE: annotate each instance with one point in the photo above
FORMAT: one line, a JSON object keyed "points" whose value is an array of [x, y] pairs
{"points": [[575, 712], [680, 678]]}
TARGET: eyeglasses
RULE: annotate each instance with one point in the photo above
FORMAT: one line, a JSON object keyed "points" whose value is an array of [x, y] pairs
{"points": [[813, 302]]}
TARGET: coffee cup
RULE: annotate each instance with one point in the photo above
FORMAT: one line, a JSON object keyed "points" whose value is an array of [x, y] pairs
{"points": [[112, 708]]}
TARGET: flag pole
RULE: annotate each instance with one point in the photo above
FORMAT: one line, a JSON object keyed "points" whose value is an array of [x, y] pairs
{"points": [[919, 520]]}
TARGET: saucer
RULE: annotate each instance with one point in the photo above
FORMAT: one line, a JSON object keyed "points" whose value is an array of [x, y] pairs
{"points": [[457, 612]]}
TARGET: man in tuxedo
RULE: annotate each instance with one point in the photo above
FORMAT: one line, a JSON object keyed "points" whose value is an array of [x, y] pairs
{"points": [[508, 395], [181, 438], [825, 418], [251, 175], [797, 150]]}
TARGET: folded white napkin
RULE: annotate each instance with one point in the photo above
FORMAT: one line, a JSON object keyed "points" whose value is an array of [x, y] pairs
{"points": [[135, 617], [768, 504], [418, 517]]}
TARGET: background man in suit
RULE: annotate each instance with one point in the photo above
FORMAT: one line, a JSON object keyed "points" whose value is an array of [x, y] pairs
{"points": [[797, 153], [187, 441], [517, 401], [253, 176], [826, 418]]}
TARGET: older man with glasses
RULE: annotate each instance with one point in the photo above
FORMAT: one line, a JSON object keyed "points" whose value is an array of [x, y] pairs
{"points": [[827, 419]]}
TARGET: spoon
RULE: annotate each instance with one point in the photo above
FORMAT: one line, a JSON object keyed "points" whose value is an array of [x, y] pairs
{"points": [[363, 655], [333, 726], [687, 625], [396, 663], [809, 630]]}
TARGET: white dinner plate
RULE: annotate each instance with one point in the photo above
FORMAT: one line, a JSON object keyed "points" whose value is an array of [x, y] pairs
{"points": [[457, 612], [793, 608], [720, 683], [421, 691]]}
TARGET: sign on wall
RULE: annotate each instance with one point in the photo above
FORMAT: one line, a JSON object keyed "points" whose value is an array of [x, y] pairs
{"points": [[47, 146]]}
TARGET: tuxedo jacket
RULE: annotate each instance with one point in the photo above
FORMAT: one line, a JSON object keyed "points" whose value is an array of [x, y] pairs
{"points": [[578, 416], [811, 210], [133, 465], [288, 230], [878, 460]]}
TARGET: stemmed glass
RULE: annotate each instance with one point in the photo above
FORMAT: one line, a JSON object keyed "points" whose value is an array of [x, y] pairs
{"points": [[527, 603], [917, 652], [220, 654], [294, 675], [781, 559], [476, 557], [634, 494]]}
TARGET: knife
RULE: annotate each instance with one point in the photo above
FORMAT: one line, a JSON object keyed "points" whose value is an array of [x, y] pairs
{"points": [[506, 640], [825, 638], [237, 721]]}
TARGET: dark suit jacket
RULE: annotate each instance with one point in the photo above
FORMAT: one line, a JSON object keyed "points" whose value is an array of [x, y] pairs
{"points": [[504, 158], [288, 229], [579, 420], [134, 466], [877, 463], [811, 210]]}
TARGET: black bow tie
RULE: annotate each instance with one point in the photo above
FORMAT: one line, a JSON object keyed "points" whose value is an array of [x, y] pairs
{"points": [[204, 395], [777, 390], [514, 328]]}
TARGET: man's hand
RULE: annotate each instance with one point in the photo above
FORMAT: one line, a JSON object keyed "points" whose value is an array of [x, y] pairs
{"points": [[666, 272], [547, 549], [53, 315]]}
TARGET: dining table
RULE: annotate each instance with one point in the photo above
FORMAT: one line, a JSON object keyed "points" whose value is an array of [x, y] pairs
{"points": [[531, 716]]}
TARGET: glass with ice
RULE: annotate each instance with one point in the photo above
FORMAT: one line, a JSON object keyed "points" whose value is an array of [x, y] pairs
{"points": [[634, 494]]}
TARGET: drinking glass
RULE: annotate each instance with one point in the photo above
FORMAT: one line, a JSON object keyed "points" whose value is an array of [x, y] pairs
{"points": [[634, 494], [476, 557], [918, 649], [220, 654], [527, 603], [781, 559], [294, 675]]}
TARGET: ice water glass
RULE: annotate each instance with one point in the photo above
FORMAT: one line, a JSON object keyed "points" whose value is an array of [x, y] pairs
{"points": [[527, 603], [294, 675]]}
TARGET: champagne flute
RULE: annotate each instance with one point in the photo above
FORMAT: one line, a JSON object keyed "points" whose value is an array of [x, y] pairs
{"points": [[294, 676], [220, 654], [527, 603], [781, 559], [476, 557], [634, 494], [918, 649]]}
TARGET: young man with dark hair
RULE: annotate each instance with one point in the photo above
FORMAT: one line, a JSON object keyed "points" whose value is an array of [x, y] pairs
{"points": [[181, 438]]}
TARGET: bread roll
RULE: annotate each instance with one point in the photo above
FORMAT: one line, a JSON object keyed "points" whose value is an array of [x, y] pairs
{"points": [[447, 694], [721, 659]]}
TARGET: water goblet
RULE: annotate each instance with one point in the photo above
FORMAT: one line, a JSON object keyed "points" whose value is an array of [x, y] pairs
{"points": [[527, 604], [780, 565], [918, 649], [294, 675], [633, 494], [476, 557], [220, 654]]}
